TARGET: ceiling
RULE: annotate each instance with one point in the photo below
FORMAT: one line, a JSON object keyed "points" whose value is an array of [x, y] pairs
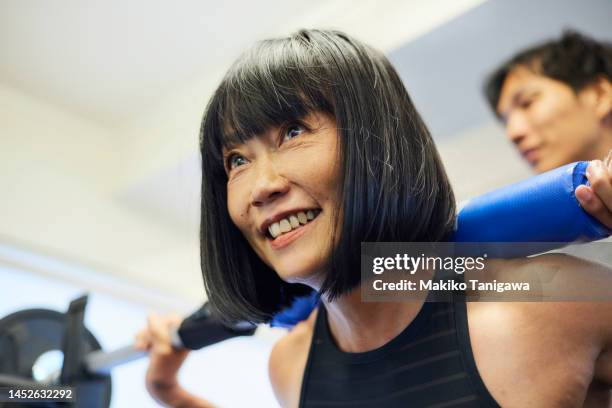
{"points": [[112, 60]]}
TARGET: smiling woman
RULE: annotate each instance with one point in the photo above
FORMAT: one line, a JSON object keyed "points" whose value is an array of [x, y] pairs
{"points": [[319, 122]]}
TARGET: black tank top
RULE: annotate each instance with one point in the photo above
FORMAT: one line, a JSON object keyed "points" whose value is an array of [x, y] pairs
{"points": [[429, 364]]}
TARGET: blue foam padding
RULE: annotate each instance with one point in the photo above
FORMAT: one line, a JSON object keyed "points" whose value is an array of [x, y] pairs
{"points": [[299, 310], [541, 209]]}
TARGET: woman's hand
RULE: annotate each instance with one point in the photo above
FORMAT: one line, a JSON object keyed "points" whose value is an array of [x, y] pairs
{"points": [[164, 362], [597, 199], [164, 359]]}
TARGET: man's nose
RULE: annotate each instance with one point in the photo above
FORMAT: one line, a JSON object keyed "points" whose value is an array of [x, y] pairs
{"points": [[269, 184], [517, 127]]}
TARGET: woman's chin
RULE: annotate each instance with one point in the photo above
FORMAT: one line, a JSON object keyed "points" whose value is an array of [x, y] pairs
{"points": [[304, 276]]}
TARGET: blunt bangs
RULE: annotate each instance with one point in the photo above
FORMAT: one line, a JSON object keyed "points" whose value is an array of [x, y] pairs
{"points": [[277, 82], [392, 183]]}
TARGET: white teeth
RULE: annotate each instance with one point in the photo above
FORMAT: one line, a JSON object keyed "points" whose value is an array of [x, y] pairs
{"points": [[285, 226], [274, 230], [302, 217], [292, 222]]}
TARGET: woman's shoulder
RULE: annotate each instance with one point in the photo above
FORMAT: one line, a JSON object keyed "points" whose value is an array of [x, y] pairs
{"points": [[562, 313], [540, 339], [555, 277], [288, 361]]}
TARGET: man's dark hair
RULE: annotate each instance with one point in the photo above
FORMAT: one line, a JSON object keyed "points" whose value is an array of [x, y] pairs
{"points": [[392, 183], [574, 59]]}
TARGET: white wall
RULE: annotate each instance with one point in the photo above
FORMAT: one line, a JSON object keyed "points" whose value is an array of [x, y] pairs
{"points": [[58, 177], [481, 159]]}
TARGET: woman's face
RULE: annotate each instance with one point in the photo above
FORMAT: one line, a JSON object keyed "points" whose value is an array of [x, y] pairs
{"points": [[549, 124], [282, 191]]}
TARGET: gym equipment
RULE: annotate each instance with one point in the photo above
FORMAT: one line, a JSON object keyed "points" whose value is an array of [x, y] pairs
{"points": [[40, 347], [542, 208], [27, 336]]}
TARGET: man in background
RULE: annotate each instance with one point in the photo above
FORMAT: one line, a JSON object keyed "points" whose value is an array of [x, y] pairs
{"points": [[555, 101]]}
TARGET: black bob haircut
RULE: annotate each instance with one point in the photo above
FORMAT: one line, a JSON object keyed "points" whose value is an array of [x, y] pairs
{"points": [[392, 183], [574, 59]]}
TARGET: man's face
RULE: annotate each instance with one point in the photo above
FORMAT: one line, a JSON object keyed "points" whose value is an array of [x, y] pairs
{"points": [[548, 123]]}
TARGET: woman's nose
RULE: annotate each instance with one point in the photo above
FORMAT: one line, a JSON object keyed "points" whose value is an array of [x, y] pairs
{"points": [[268, 184]]}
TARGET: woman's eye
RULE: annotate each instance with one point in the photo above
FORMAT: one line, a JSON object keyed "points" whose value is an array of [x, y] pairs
{"points": [[235, 160], [292, 131]]}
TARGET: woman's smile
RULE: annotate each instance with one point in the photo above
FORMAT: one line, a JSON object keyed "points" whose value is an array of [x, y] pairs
{"points": [[282, 193], [287, 230]]}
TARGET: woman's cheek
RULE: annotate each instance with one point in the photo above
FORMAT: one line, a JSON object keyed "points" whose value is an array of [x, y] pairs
{"points": [[236, 203], [238, 214]]}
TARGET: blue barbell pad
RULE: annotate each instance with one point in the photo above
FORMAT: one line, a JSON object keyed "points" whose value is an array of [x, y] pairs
{"points": [[299, 310], [541, 209]]}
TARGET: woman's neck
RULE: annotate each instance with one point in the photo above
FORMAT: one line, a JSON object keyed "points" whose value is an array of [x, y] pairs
{"points": [[358, 326]]}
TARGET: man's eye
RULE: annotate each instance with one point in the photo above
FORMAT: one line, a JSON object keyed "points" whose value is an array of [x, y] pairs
{"points": [[528, 101], [292, 131], [235, 160]]}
